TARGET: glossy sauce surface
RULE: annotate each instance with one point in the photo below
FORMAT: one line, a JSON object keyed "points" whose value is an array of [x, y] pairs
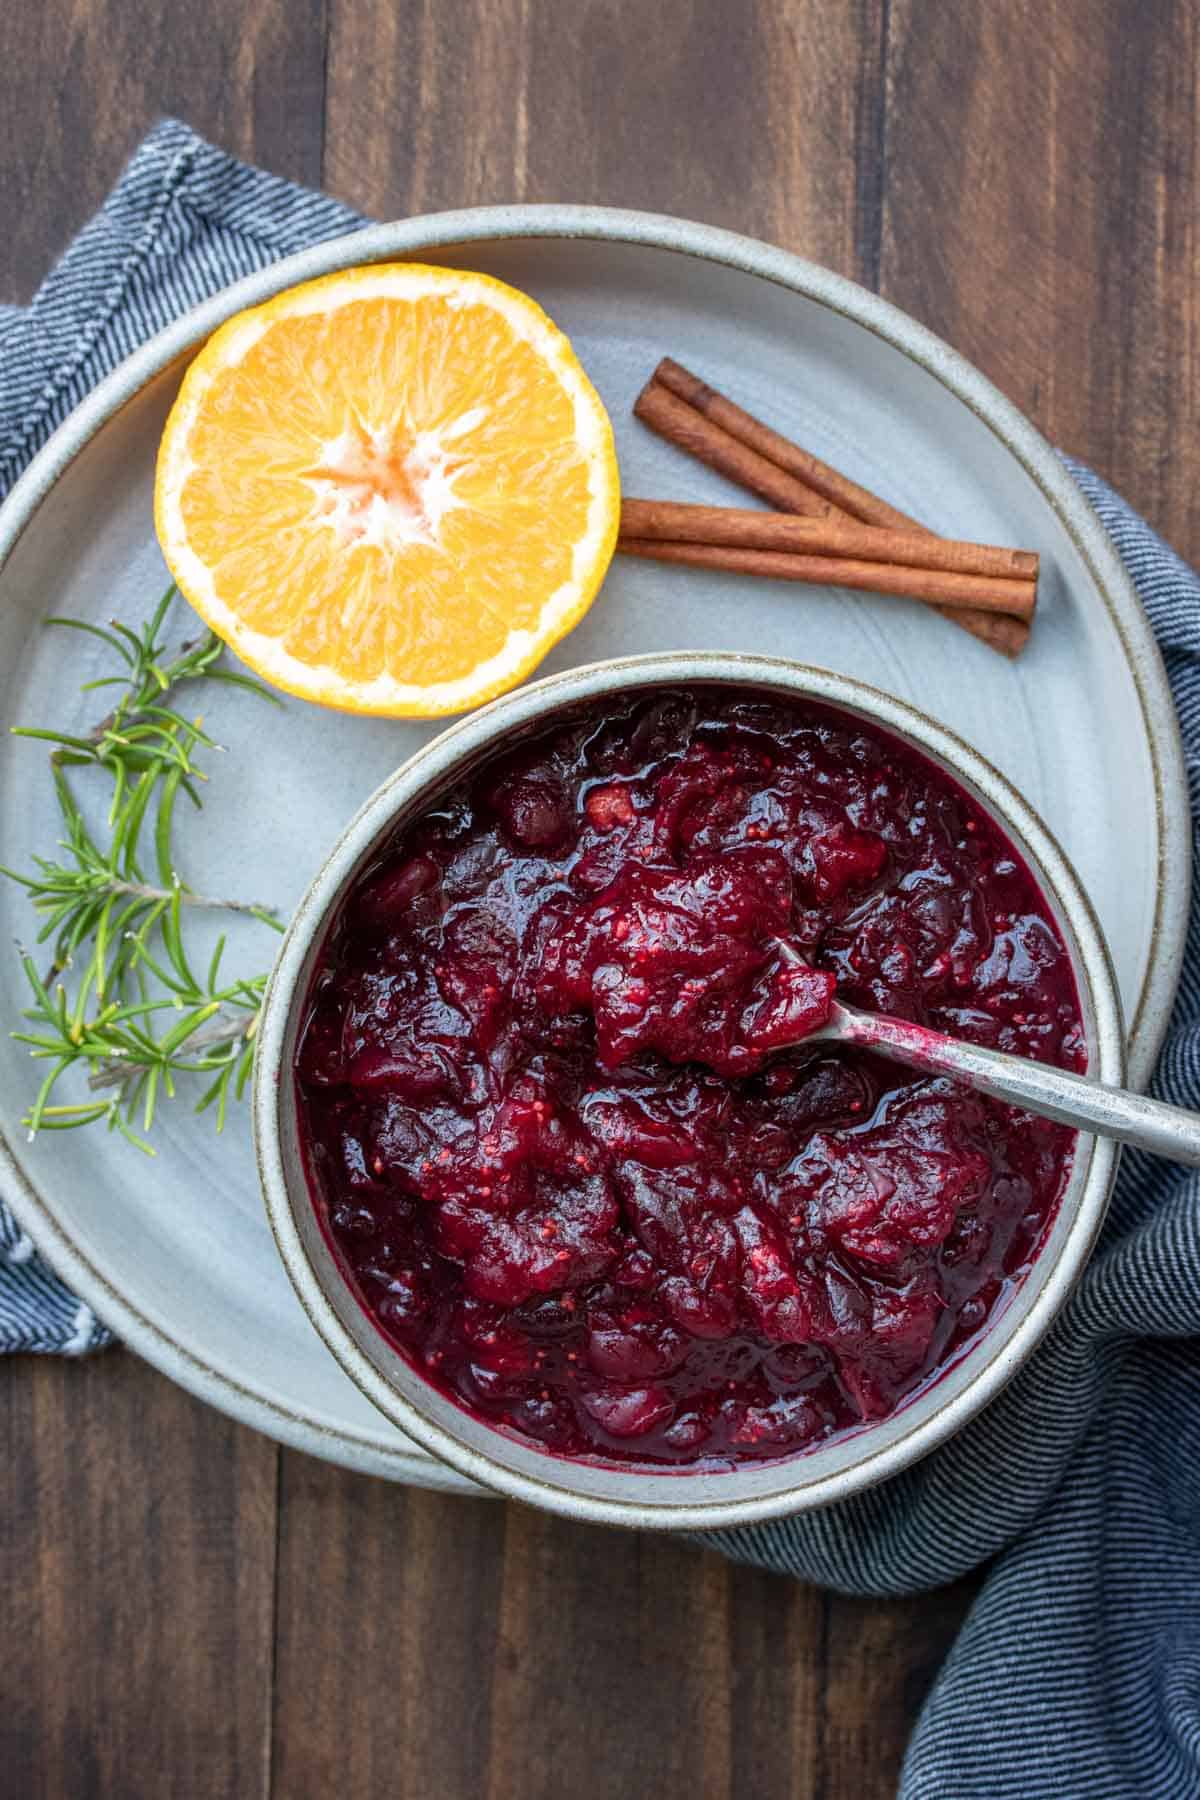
{"points": [[550, 1126]]}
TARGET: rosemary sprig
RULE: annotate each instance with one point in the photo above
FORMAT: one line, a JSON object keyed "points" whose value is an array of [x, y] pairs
{"points": [[121, 997]]}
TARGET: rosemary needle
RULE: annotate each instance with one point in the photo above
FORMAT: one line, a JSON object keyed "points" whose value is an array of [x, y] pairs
{"points": [[121, 997]]}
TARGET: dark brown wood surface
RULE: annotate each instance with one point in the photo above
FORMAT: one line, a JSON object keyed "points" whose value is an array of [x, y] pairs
{"points": [[184, 1608]]}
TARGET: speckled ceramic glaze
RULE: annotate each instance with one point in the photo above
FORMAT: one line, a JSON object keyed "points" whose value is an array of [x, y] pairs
{"points": [[176, 1253]]}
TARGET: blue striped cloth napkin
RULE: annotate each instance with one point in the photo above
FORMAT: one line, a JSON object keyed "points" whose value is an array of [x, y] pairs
{"points": [[1078, 1670]]}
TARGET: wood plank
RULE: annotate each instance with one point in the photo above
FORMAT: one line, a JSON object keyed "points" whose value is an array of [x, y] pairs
{"points": [[136, 1586], [513, 1653], [617, 1674], [387, 1638], [779, 1656], [1041, 214], [760, 117], [530, 1656], [881, 1660], [81, 81]]}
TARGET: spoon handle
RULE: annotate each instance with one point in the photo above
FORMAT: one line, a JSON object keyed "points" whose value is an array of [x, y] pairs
{"points": [[1169, 1131]]}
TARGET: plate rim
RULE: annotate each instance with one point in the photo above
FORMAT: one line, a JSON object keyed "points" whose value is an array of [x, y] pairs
{"points": [[378, 1452]]}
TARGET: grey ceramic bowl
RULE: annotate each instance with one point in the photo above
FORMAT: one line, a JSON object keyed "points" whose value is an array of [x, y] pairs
{"points": [[634, 1495]]}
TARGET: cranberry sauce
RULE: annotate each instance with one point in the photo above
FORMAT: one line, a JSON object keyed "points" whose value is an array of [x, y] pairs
{"points": [[555, 1133]]}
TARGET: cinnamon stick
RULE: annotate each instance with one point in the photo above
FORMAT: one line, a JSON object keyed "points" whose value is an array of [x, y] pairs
{"points": [[744, 528], [682, 425], [832, 486], [663, 409], [1012, 599]]}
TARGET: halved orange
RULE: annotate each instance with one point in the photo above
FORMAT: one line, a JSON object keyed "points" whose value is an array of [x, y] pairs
{"points": [[390, 490]]}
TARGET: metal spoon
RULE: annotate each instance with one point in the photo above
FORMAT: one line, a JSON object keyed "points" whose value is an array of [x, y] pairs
{"points": [[1169, 1131]]}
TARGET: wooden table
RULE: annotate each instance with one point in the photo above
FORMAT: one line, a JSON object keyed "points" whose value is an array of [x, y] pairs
{"points": [[186, 1609]]}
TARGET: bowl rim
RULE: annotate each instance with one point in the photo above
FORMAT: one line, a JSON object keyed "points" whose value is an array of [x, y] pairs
{"points": [[436, 765], [376, 1449]]}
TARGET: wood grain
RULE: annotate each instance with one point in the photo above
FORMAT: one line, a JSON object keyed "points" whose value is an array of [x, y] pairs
{"points": [[387, 1636], [1041, 214], [1021, 178], [754, 116], [493, 1651], [880, 1662], [634, 1695], [137, 1539], [81, 81]]}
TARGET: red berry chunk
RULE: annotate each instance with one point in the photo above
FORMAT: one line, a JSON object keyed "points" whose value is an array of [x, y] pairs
{"points": [[690, 964], [609, 806]]}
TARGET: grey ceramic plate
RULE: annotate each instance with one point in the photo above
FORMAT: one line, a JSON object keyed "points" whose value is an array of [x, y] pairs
{"points": [[176, 1253]]}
